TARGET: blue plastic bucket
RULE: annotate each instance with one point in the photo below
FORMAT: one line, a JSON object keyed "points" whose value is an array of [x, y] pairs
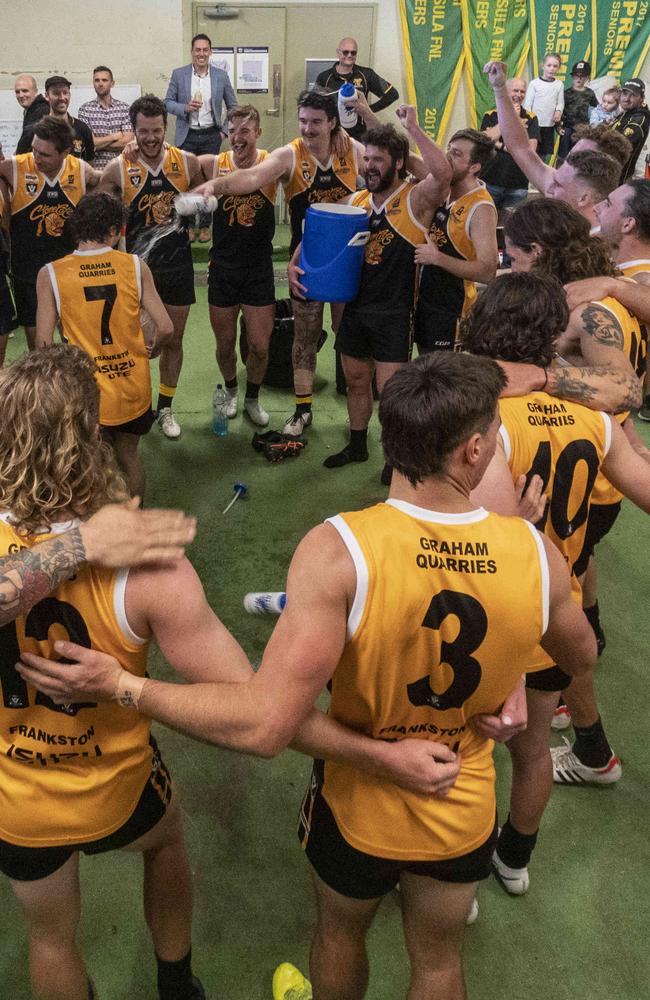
{"points": [[332, 249]]}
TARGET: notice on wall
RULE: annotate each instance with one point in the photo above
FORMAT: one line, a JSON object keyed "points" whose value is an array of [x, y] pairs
{"points": [[10, 132], [224, 58], [253, 69]]}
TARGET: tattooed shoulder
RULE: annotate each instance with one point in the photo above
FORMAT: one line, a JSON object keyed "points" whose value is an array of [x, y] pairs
{"points": [[602, 325]]}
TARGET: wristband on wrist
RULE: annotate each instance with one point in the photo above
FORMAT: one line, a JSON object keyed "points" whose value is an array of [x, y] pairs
{"points": [[129, 689]]}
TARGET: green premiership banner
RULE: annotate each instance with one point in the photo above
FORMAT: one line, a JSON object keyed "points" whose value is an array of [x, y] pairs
{"points": [[621, 37], [433, 47], [564, 28], [492, 29]]}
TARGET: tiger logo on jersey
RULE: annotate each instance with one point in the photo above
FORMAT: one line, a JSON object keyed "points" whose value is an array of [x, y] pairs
{"points": [[243, 208], [52, 218], [376, 246], [157, 207], [438, 235]]}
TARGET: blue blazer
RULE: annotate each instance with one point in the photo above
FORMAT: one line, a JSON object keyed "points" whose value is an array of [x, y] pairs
{"points": [[179, 93]]}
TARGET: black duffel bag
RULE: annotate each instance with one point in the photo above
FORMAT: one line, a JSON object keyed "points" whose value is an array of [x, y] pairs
{"points": [[279, 373]]}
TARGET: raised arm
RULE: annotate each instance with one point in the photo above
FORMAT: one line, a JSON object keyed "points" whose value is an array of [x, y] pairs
{"points": [[514, 136], [433, 159]]}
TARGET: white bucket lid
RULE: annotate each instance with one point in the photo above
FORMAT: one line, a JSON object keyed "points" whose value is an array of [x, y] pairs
{"points": [[338, 209]]}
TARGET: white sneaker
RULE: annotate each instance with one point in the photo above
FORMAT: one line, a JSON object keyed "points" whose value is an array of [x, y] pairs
{"points": [[231, 404], [561, 719], [473, 913], [168, 423], [514, 880], [297, 424], [256, 412], [569, 770]]}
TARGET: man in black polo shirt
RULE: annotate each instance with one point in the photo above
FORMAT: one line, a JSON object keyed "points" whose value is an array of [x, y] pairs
{"points": [[57, 94], [634, 123], [507, 184], [365, 79]]}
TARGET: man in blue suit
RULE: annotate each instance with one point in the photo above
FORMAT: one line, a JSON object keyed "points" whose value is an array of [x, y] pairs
{"points": [[196, 94]]}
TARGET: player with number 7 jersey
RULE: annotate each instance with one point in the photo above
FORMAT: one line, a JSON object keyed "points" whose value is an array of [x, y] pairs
{"points": [[97, 292]]}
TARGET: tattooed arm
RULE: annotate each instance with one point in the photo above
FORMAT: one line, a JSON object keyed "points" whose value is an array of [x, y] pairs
{"points": [[117, 535]]}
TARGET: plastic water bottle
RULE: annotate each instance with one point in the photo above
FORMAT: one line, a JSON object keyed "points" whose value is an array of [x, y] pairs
{"points": [[190, 204], [265, 602], [219, 418], [347, 95]]}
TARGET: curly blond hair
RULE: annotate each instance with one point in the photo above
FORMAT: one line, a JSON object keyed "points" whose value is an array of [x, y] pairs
{"points": [[53, 463]]}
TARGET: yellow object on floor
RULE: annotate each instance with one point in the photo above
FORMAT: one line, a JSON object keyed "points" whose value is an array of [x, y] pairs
{"points": [[290, 984]]}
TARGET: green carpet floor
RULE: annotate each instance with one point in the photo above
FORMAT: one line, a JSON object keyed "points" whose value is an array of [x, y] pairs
{"points": [[580, 933]]}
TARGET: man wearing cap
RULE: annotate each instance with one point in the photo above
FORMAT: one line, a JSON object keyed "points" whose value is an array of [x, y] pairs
{"points": [[345, 70], [578, 99], [57, 95], [634, 123]]}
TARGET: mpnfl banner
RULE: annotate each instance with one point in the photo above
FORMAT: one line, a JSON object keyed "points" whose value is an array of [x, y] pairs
{"points": [[621, 37], [433, 47], [564, 28], [492, 29]]}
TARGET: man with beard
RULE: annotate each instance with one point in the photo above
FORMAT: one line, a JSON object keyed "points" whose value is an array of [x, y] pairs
{"points": [[461, 247], [57, 95], [634, 123], [241, 264], [322, 164], [148, 187], [375, 332]]}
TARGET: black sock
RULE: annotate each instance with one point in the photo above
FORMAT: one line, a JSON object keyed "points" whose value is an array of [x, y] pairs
{"points": [[231, 383], [355, 451], [303, 404], [593, 617], [91, 990], [175, 978], [591, 746], [515, 848], [164, 402], [252, 389]]}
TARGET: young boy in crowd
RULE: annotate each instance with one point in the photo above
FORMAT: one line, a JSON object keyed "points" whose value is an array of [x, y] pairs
{"points": [[578, 100], [545, 98]]}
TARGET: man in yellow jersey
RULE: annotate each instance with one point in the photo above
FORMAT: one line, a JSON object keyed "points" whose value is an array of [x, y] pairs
{"points": [[461, 247], [520, 317], [97, 293], [375, 332], [321, 165], [241, 264], [87, 777], [423, 611], [147, 187], [44, 187]]}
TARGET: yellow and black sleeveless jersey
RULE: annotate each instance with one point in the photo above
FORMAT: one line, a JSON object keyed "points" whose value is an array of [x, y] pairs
{"points": [[635, 345], [441, 291], [448, 611], [243, 224], [69, 773], [98, 295], [565, 444], [312, 182], [388, 275], [149, 198], [40, 209]]}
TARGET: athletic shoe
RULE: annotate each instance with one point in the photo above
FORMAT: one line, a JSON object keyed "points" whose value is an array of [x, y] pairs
{"points": [[290, 984], [297, 424], [514, 880], [231, 404], [561, 718], [473, 913], [569, 770], [256, 412], [644, 412], [168, 423]]}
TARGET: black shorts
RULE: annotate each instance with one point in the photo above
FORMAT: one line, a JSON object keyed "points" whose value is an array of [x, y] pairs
{"points": [[363, 876], [547, 137], [601, 520], [25, 298], [8, 318], [550, 679], [140, 426], [246, 286], [28, 864], [382, 336], [435, 330], [176, 288]]}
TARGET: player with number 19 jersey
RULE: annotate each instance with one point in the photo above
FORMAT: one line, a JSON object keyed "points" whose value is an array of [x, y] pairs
{"points": [[427, 650], [98, 294], [565, 444]]}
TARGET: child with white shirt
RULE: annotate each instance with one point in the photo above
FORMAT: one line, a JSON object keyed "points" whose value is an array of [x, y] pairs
{"points": [[545, 98]]}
